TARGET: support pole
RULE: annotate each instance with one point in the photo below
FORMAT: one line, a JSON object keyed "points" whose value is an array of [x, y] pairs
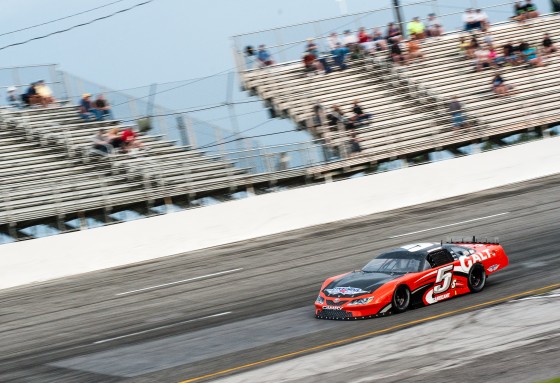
{"points": [[398, 16]]}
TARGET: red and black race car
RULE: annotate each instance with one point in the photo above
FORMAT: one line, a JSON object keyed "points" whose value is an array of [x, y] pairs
{"points": [[410, 276]]}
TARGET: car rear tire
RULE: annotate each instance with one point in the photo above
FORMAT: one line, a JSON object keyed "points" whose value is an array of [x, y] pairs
{"points": [[401, 299], [476, 278]]}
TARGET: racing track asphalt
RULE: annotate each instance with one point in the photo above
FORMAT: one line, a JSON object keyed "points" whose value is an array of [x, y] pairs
{"points": [[79, 329]]}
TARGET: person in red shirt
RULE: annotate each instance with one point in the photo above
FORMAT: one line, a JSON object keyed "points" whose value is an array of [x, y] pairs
{"points": [[130, 141]]}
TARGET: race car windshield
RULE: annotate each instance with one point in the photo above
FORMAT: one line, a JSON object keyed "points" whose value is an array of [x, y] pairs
{"points": [[392, 265]]}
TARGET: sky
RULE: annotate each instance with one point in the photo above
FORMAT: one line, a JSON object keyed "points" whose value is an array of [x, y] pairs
{"points": [[173, 40]]}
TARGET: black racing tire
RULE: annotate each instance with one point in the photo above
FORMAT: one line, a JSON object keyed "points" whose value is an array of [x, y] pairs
{"points": [[476, 279], [401, 299]]}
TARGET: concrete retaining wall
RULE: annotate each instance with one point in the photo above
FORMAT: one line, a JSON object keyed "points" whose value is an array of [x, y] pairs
{"points": [[116, 245]]}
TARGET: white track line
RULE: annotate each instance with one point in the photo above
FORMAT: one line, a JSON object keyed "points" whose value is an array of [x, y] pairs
{"points": [[177, 282], [451, 224], [161, 327]]}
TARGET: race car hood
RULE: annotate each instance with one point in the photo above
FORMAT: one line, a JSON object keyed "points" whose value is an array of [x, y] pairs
{"points": [[357, 283]]}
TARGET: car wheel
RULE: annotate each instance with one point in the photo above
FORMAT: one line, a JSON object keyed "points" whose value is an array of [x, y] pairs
{"points": [[401, 299], [476, 278]]}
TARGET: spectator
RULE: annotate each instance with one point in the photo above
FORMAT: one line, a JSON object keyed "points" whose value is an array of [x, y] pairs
{"points": [[30, 97], [519, 12], [339, 56], [434, 27], [365, 41], [355, 147], [393, 32], [129, 137], [465, 47], [530, 56], [481, 59], [263, 57], [12, 97], [44, 92], [413, 49], [318, 114], [456, 109], [396, 52], [488, 39], [249, 57], [311, 64], [332, 41], [482, 18], [416, 28], [509, 53], [493, 59], [530, 10], [349, 40], [470, 21], [499, 87], [548, 45], [379, 40], [359, 114], [283, 161], [102, 105], [101, 142], [337, 117], [116, 141], [311, 47], [87, 112]]}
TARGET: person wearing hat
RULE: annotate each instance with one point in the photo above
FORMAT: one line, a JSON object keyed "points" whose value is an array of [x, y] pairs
{"points": [[87, 112], [12, 97], [44, 92]]}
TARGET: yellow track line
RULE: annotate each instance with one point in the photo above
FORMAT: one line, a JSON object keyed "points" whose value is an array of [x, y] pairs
{"points": [[368, 334]]}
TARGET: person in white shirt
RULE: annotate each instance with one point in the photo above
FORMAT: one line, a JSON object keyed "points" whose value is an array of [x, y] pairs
{"points": [[349, 39], [434, 27], [482, 18], [332, 40], [469, 19]]}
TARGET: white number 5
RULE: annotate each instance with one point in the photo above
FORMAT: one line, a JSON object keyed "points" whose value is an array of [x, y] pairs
{"points": [[444, 276]]}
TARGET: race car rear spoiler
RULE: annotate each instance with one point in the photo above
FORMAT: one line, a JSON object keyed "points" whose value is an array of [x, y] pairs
{"points": [[473, 239]]}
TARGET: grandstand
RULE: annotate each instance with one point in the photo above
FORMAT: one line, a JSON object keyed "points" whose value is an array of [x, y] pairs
{"points": [[51, 177], [410, 102]]}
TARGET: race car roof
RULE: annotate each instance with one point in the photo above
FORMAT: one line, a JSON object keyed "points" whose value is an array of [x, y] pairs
{"points": [[416, 251]]}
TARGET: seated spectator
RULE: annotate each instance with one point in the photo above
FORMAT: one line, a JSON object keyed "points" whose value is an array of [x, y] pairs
{"points": [[87, 112], [499, 87], [365, 41], [416, 28], [509, 53], [359, 114], [115, 140], [493, 58], [12, 97], [481, 59], [519, 12], [337, 117], [349, 40], [529, 55], [102, 105], [413, 49], [456, 109], [465, 47], [548, 45], [263, 57], [470, 20], [392, 32], [249, 56], [355, 147], [396, 52], [312, 47], [379, 40], [530, 10], [101, 142], [129, 138], [434, 27], [30, 97], [332, 41], [44, 92], [339, 56], [311, 64], [482, 18]]}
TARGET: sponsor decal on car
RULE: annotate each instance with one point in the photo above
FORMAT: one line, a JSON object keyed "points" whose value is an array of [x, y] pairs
{"points": [[468, 260], [345, 291], [493, 268], [332, 308]]}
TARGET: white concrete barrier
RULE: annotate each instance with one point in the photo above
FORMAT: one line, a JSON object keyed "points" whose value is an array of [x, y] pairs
{"points": [[116, 245]]}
